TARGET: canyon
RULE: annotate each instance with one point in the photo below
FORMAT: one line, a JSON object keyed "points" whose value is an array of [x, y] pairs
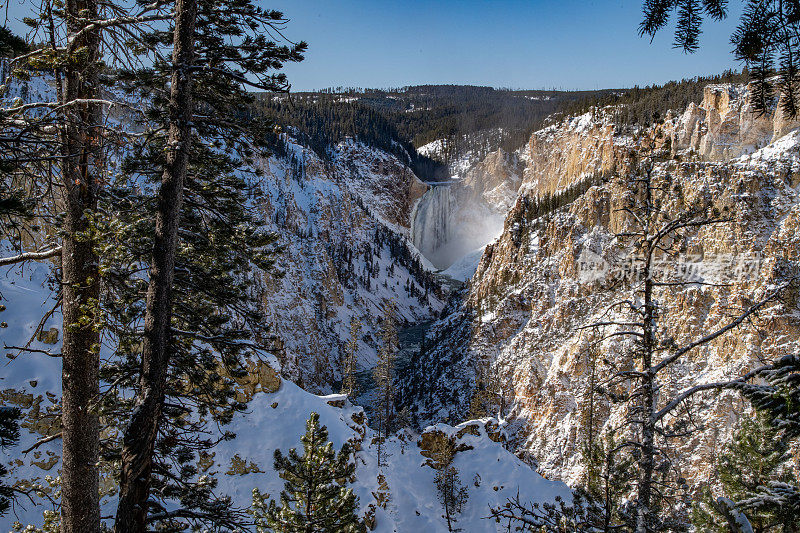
{"points": [[489, 294], [520, 322]]}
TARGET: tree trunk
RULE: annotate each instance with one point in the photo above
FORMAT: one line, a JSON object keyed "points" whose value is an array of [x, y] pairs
{"points": [[140, 435], [80, 507], [647, 454]]}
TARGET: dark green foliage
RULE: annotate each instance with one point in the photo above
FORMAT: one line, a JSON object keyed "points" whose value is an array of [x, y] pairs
{"points": [[10, 44], [766, 40], [608, 483], [690, 16], [779, 397], [757, 459], [217, 324], [458, 113], [534, 210], [217, 320], [642, 106], [314, 499], [397, 120], [321, 123], [9, 436]]}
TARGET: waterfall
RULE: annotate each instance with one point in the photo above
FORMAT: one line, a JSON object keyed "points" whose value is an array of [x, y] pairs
{"points": [[447, 223], [431, 223]]}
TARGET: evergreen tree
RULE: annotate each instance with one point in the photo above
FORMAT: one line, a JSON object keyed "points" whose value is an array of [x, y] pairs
{"points": [[314, 499], [607, 484], [9, 436], [199, 131], [10, 44], [218, 326], [778, 399], [756, 458], [765, 39], [62, 145], [779, 396], [452, 494], [142, 431], [349, 368], [384, 377]]}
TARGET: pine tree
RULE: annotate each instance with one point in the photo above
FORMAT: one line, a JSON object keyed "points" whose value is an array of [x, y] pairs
{"points": [[81, 171], [199, 98], [9, 436], [607, 484], [349, 368], [217, 327], [765, 40], [756, 458], [64, 153], [384, 377], [141, 432], [10, 44], [779, 397], [314, 499], [452, 494], [778, 400]]}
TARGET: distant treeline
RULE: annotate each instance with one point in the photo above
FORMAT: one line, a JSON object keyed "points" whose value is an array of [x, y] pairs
{"points": [[322, 121], [533, 210], [641, 106], [468, 118]]}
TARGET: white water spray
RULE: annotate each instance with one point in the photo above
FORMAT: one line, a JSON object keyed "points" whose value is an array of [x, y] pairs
{"points": [[447, 223]]}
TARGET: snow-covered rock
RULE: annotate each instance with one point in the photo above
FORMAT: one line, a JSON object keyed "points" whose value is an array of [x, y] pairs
{"points": [[523, 308]]}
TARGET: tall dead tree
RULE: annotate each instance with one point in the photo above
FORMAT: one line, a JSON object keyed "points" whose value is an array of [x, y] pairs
{"points": [[654, 238]]}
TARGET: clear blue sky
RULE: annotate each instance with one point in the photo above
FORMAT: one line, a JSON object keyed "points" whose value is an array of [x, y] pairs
{"points": [[567, 44]]}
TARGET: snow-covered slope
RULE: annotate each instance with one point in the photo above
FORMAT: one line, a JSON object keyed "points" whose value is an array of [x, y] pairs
{"points": [[343, 227], [490, 473], [275, 419]]}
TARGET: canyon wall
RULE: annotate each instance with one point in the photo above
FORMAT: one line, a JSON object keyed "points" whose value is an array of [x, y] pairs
{"points": [[523, 310]]}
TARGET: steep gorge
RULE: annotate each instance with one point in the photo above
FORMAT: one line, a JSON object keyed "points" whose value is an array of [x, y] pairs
{"points": [[519, 319]]}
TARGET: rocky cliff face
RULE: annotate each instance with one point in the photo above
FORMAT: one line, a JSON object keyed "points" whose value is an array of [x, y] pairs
{"points": [[522, 312], [724, 126]]}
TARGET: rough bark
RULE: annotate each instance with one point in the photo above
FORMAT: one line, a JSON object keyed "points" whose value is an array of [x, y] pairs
{"points": [[80, 509], [141, 433]]}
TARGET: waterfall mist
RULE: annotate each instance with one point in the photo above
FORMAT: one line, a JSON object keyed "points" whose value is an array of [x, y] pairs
{"points": [[448, 222]]}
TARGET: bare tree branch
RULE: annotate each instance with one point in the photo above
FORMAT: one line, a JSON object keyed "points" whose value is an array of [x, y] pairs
{"points": [[30, 256]]}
